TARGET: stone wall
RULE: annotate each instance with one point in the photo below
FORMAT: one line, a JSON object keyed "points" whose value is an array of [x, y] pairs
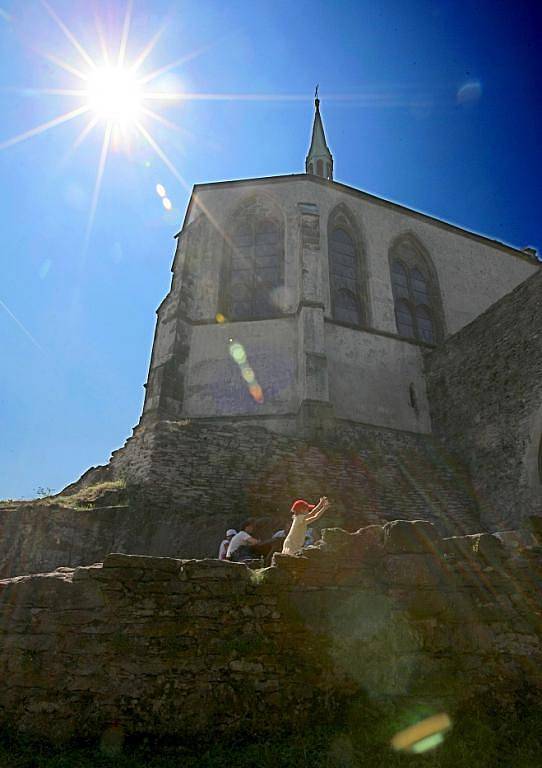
{"points": [[485, 392], [234, 469], [187, 482], [199, 650], [358, 389]]}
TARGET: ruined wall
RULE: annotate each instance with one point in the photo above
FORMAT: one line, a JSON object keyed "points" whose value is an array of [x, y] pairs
{"points": [[199, 650], [187, 482], [485, 391], [214, 475]]}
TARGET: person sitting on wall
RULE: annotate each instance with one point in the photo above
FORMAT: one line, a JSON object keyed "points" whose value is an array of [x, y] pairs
{"points": [[303, 513], [240, 547], [225, 543], [282, 532]]}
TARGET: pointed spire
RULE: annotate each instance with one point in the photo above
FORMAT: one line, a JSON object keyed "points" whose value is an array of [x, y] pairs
{"points": [[319, 161]]}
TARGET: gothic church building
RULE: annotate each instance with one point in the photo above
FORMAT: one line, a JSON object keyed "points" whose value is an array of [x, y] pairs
{"points": [[318, 339]]}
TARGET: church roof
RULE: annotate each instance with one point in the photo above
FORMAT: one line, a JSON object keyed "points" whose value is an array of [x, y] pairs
{"points": [[304, 177]]}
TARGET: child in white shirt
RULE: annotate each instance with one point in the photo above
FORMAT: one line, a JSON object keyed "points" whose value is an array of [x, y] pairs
{"points": [[303, 513]]}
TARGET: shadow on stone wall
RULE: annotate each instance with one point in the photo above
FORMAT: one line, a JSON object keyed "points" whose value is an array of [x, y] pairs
{"points": [[193, 650]]}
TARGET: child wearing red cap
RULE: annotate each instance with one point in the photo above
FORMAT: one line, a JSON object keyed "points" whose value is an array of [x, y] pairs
{"points": [[303, 513]]}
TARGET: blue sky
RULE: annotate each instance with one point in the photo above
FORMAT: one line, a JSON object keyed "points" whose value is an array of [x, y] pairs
{"points": [[433, 104]]}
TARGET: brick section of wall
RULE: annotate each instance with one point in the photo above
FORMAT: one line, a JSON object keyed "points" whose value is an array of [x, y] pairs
{"points": [[208, 650], [485, 391]]}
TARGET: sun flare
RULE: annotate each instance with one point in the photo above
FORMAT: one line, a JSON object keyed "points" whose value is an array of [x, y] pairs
{"points": [[113, 91], [114, 94]]}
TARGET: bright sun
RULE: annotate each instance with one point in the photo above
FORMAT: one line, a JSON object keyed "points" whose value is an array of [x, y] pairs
{"points": [[114, 95]]}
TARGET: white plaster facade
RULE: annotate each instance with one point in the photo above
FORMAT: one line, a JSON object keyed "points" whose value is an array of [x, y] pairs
{"points": [[368, 374]]}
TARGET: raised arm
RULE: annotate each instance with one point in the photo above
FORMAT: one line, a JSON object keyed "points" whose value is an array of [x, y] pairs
{"points": [[318, 511]]}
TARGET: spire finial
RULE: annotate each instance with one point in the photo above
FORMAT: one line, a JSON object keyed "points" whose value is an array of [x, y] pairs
{"points": [[319, 161]]}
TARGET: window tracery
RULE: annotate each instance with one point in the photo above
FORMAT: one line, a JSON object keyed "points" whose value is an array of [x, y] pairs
{"points": [[416, 297], [346, 273], [255, 265]]}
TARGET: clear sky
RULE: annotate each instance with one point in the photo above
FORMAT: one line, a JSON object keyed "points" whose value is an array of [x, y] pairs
{"points": [[435, 105]]}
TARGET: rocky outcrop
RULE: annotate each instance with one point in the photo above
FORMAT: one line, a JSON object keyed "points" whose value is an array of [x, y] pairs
{"points": [[198, 649]]}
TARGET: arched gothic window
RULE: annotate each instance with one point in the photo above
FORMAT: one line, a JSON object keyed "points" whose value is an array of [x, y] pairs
{"points": [[319, 167], [417, 302], [344, 278], [254, 267]]}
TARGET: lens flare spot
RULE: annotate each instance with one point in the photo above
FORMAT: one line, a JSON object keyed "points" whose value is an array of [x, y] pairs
{"points": [[166, 202], [219, 317], [160, 190], [256, 392], [237, 351], [426, 744], [44, 269], [423, 736], [248, 374], [469, 92]]}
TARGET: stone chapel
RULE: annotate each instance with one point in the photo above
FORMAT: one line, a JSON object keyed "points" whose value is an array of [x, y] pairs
{"points": [[317, 340], [306, 307]]}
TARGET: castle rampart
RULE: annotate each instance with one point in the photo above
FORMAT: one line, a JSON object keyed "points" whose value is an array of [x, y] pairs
{"points": [[485, 391], [189, 649]]}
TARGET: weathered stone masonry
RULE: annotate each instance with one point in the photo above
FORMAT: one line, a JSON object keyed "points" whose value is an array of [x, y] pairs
{"points": [[235, 470], [189, 481], [485, 392], [207, 649]]}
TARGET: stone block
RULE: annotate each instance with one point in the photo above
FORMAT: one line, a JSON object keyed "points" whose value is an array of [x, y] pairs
{"points": [[215, 570], [294, 565], [411, 536], [120, 560], [246, 667], [420, 603], [362, 545], [83, 573], [483, 547], [416, 570], [516, 539], [274, 577]]}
